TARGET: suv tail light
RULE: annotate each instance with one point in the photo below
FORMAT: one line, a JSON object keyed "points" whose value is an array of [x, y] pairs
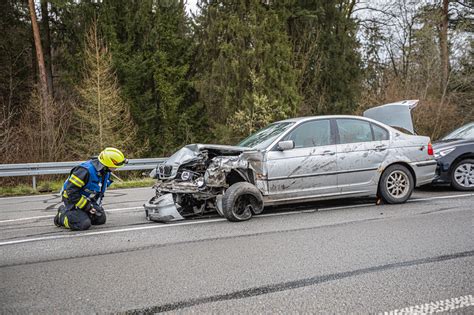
{"points": [[430, 149]]}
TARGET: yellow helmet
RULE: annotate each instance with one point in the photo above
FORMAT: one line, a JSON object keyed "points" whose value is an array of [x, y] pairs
{"points": [[112, 158]]}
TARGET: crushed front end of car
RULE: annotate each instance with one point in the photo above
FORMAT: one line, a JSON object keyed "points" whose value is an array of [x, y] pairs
{"points": [[192, 182]]}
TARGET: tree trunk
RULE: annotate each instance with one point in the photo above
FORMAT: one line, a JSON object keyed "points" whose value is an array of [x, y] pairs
{"points": [[34, 63], [443, 42], [47, 45], [46, 137], [39, 53]]}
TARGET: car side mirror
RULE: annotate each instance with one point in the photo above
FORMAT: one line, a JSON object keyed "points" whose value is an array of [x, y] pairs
{"points": [[285, 145]]}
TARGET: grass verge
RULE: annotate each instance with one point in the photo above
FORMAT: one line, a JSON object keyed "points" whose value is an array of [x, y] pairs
{"points": [[48, 187]]}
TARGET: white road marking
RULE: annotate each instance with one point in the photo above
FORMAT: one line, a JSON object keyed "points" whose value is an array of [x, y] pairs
{"points": [[263, 215], [124, 209], [373, 204], [282, 213], [272, 214], [441, 197], [186, 223], [56, 194], [348, 207], [29, 218], [52, 215], [30, 196], [53, 237], [447, 305]]}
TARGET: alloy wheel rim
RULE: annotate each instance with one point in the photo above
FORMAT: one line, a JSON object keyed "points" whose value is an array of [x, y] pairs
{"points": [[398, 184], [464, 175]]}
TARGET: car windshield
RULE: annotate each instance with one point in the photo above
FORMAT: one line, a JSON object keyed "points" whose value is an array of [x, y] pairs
{"points": [[264, 137], [465, 132]]}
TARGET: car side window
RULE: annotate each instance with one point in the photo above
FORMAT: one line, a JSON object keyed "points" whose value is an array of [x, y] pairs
{"points": [[379, 133], [311, 134], [353, 130]]}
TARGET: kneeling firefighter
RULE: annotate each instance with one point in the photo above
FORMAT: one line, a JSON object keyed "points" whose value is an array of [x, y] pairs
{"points": [[84, 189]]}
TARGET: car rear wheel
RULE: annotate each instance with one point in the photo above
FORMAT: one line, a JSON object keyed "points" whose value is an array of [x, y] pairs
{"points": [[240, 201], [396, 184], [462, 176]]}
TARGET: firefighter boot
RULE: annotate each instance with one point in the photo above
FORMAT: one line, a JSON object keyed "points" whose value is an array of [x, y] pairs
{"points": [[57, 217]]}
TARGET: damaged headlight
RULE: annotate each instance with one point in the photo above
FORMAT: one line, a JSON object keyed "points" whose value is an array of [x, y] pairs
{"points": [[186, 175], [164, 170], [441, 153], [200, 182]]}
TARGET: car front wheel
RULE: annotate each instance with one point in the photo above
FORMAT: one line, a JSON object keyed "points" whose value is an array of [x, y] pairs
{"points": [[396, 184], [462, 176], [240, 201]]}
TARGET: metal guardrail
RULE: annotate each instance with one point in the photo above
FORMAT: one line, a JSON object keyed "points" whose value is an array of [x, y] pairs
{"points": [[53, 168]]}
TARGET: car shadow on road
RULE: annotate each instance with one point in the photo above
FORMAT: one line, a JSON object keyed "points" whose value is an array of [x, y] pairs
{"points": [[316, 205], [437, 188]]}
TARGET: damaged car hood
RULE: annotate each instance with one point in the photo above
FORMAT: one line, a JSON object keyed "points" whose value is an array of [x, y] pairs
{"points": [[221, 149], [193, 152], [396, 114]]}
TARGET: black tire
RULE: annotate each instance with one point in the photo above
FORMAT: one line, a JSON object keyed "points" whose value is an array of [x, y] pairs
{"points": [[396, 184], [240, 201], [460, 167]]}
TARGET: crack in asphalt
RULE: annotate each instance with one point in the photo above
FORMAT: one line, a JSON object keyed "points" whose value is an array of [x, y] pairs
{"points": [[290, 285]]}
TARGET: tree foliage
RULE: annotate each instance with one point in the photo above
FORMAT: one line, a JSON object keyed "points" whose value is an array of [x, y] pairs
{"points": [[103, 118], [16, 70], [243, 57], [323, 35], [151, 47], [157, 78], [403, 54]]}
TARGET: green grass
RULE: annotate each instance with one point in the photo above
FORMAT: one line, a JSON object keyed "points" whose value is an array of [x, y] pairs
{"points": [[133, 183], [49, 187]]}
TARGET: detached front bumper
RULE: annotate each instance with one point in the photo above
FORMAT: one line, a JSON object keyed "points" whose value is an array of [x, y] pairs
{"points": [[162, 209]]}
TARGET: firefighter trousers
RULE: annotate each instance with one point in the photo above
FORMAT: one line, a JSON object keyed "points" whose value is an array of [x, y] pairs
{"points": [[71, 217]]}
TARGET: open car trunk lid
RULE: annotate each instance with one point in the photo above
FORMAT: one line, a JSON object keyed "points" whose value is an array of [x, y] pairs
{"points": [[397, 115]]}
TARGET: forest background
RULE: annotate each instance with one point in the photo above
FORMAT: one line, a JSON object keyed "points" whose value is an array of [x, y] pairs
{"points": [[148, 76]]}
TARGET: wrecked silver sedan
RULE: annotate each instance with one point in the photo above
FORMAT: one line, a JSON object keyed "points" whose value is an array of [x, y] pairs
{"points": [[292, 161]]}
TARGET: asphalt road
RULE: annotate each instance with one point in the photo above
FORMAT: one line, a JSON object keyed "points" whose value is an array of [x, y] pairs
{"points": [[346, 256]]}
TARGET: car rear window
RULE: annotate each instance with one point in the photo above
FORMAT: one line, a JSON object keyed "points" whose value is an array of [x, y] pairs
{"points": [[353, 130], [379, 133]]}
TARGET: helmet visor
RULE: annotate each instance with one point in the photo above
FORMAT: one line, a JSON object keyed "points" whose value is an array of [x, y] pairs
{"points": [[118, 164]]}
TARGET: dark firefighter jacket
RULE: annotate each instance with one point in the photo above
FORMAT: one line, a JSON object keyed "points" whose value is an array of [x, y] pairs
{"points": [[86, 184]]}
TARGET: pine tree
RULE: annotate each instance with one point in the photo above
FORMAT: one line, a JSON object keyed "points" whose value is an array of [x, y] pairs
{"points": [[103, 119], [323, 35], [243, 63], [16, 67], [151, 48], [260, 112]]}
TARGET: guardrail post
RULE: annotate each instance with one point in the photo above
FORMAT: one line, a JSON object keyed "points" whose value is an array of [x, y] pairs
{"points": [[34, 182]]}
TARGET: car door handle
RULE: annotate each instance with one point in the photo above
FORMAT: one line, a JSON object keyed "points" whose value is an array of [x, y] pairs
{"points": [[381, 148], [328, 152]]}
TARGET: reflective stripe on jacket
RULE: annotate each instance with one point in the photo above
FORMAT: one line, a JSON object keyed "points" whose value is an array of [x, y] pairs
{"points": [[87, 181]]}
